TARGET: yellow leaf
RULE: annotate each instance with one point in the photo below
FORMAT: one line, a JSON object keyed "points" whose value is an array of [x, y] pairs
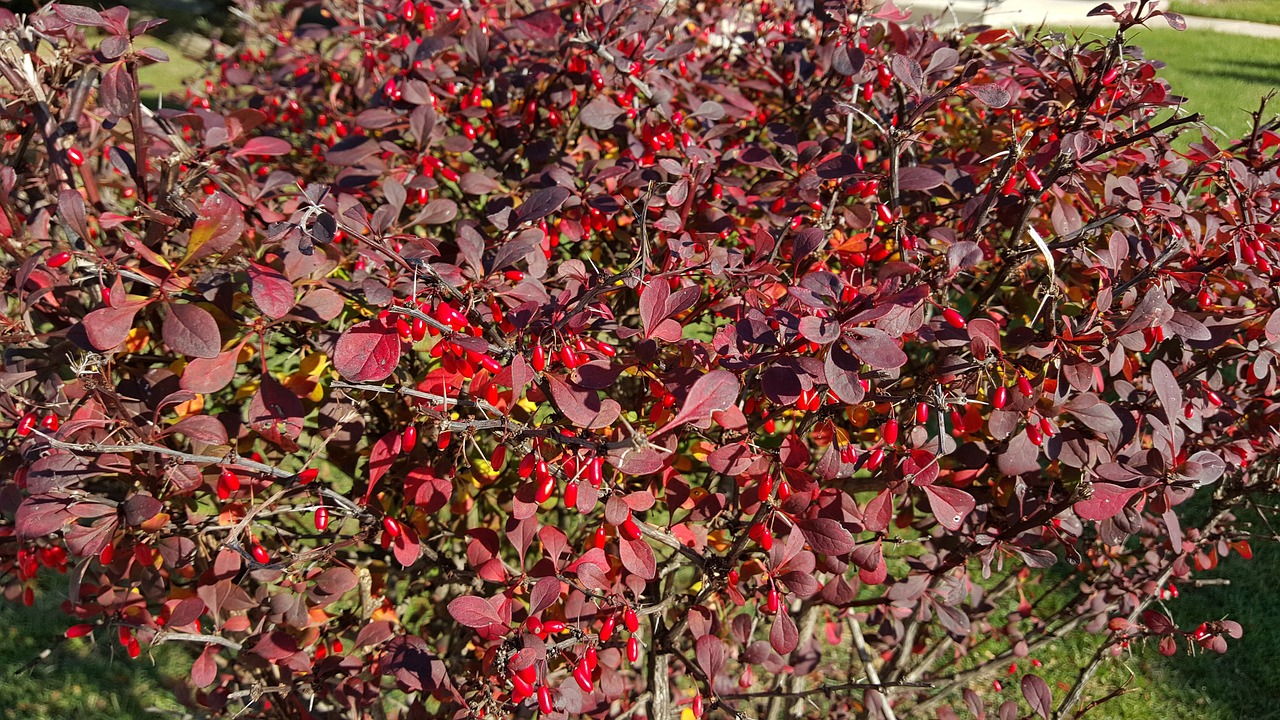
{"points": [[246, 391], [314, 364], [191, 407], [137, 340]]}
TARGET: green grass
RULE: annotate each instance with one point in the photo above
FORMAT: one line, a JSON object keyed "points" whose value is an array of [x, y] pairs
{"points": [[1188, 686], [79, 679], [167, 78], [1263, 11], [1222, 76]]}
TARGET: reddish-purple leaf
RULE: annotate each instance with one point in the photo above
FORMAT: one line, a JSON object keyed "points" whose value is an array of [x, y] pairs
{"points": [[191, 330], [991, 94], [220, 225], [879, 512], [545, 592], [474, 612], [202, 428], [542, 203], [709, 651], [826, 536], [107, 327], [264, 146], [783, 636], [875, 348], [207, 375], [406, 548], [1107, 500], [368, 351], [381, 456], [271, 290], [204, 670], [275, 413], [908, 72], [949, 505], [1157, 622], [1038, 695], [715, 391], [637, 557], [600, 113], [186, 612]]}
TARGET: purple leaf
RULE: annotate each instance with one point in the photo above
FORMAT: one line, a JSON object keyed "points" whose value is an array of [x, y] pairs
{"points": [[875, 348], [710, 654], [474, 612], [949, 505], [826, 536], [717, 390], [191, 330], [783, 636], [1038, 695], [367, 352], [271, 290], [1107, 500]]}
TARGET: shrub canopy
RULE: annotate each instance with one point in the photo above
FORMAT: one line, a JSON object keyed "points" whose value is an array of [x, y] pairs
{"points": [[624, 358]]}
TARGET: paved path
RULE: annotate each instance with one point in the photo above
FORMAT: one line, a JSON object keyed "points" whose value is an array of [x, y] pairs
{"points": [[1021, 13]]}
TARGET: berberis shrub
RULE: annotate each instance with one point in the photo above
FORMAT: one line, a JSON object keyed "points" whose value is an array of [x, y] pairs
{"points": [[625, 359]]}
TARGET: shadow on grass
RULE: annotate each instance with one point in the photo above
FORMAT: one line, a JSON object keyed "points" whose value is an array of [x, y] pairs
{"points": [[80, 679], [1243, 683]]}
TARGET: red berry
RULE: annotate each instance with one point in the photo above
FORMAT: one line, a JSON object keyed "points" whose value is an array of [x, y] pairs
{"points": [[772, 601], [630, 530], [582, 674], [308, 475], [1024, 385], [633, 649], [539, 358], [631, 620], [890, 433], [75, 156], [544, 700], [260, 554], [408, 438], [26, 424], [391, 526], [553, 627], [322, 518], [1033, 434], [953, 318], [229, 479], [80, 630], [1001, 397], [59, 260], [1033, 180], [922, 412], [606, 627]]}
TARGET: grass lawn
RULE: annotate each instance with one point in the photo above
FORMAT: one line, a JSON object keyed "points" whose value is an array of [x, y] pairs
{"points": [[79, 679], [1222, 76], [1263, 11], [166, 78], [1241, 684]]}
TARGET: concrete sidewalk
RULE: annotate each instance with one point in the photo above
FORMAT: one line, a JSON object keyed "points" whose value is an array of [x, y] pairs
{"points": [[1023, 13]]}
